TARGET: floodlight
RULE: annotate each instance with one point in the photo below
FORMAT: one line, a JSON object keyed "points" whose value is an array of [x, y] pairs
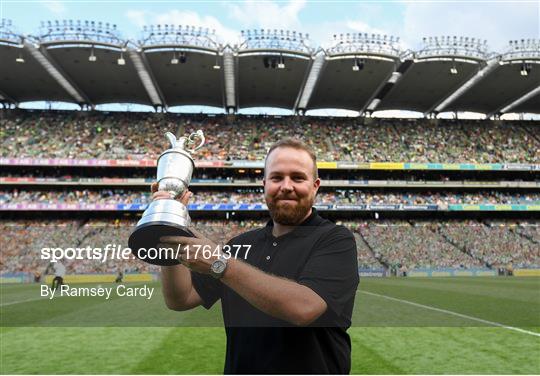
{"points": [[525, 69], [92, 57], [281, 64], [217, 65], [358, 64]]}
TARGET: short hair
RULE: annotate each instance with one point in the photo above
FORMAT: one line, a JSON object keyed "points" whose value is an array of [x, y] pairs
{"points": [[297, 144]]}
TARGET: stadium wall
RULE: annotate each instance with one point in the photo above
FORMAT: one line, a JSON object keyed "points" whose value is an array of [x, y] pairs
{"points": [[527, 272], [450, 272]]}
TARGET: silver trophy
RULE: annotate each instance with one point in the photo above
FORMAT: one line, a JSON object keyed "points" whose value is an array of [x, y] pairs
{"points": [[167, 217]]}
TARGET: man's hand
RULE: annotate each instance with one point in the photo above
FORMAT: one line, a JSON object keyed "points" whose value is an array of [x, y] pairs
{"points": [[198, 253], [158, 195]]}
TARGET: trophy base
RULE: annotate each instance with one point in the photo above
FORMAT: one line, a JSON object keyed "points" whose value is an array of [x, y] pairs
{"points": [[143, 241]]}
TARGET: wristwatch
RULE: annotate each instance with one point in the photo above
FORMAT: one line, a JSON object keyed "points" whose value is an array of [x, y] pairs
{"points": [[217, 269]]}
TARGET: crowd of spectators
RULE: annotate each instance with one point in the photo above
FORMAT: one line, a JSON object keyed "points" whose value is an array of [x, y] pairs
{"points": [[389, 244], [255, 195], [67, 196], [402, 245], [442, 198], [496, 244], [24, 239], [529, 231], [70, 134], [380, 244]]}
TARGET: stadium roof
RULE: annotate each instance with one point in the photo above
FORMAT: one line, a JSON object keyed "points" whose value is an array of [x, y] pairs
{"points": [[340, 86], [183, 66], [500, 87], [103, 80], [530, 105], [269, 78], [28, 81], [424, 83], [187, 77]]}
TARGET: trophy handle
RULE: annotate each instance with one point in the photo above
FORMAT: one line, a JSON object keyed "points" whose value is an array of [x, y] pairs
{"points": [[172, 139], [196, 135]]}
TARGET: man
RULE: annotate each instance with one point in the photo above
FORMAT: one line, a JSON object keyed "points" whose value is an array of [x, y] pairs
{"points": [[288, 301], [119, 275], [59, 273]]}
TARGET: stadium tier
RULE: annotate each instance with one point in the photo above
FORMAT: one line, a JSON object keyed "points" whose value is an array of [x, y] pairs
{"points": [[255, 196], [390, 245], [139, 136], [76, 165]]}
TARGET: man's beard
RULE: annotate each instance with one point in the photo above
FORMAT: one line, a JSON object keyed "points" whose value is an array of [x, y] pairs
{"points": [[286, 213]]}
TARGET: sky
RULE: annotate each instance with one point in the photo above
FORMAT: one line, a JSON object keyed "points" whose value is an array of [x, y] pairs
{"points": [[496, 21]]}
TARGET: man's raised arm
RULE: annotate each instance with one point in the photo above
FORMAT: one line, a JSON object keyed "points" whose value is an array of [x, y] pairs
{"points": [[178, 289], [177, 286]]}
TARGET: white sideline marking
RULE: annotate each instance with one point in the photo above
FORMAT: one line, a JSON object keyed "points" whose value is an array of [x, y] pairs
{"points": [[492, 323], [21, 301]]}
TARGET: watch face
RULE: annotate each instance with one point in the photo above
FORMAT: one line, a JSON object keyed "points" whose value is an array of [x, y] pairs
{"points": [[218, 266]]}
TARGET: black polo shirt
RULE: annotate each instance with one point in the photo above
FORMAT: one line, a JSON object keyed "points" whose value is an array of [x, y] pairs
{"points": [[317, 254]]}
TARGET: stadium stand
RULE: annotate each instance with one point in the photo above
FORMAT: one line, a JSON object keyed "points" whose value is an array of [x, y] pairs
{"points": [[419, 173], [396, 246], [401, 244], [60, 134], [494, 245], [253, 196], [389, 244]]}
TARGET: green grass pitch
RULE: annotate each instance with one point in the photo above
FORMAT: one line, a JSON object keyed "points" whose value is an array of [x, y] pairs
{"points": [[425, 325]]}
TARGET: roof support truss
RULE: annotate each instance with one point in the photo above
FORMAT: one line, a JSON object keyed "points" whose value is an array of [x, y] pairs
{"points": [[147, 80], [6, 98], [516, 102], [310, 82], [483, 73], [43, 58], [230, 80]]}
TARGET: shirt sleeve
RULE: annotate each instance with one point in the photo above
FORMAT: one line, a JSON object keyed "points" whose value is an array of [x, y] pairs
{"points": [[332, 269], [208, 288]]}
